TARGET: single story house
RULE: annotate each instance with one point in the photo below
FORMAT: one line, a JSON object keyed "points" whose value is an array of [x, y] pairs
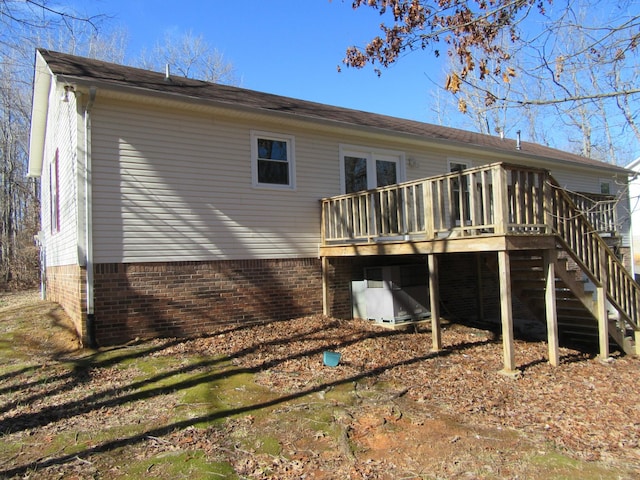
{"points": [[170, 205]]}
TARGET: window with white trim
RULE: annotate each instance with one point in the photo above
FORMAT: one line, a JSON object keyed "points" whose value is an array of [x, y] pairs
{"points": [[460, 193], [458, 166], [272, 160]]}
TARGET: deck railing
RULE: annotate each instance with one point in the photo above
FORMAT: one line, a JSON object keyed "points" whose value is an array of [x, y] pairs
{"points": [[600, 209], [497, 199], [494, 199]]}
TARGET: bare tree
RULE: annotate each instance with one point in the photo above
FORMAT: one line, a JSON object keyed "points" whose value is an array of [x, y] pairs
{"points": [[189, 56], [20, 20], [18, 202], [24, 24], [84, 40], [567, 63]]}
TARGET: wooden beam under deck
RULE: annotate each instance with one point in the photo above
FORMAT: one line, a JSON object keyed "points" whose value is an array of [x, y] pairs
{"points": [[506, 314], [551, 312], [488, 243], [434, 303]]}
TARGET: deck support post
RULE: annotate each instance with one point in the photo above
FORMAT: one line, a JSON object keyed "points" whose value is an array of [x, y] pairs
{"points": [[550, 306], [603, 316], [434, 303], [479, 287], [506, 313], [325, 285]]}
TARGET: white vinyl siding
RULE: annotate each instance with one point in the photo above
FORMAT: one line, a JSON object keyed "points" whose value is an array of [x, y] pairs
{"points": [[182, 190], [61, 242]]}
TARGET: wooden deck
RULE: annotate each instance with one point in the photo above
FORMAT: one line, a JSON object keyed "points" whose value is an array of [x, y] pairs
{"points": [[498, 208]]}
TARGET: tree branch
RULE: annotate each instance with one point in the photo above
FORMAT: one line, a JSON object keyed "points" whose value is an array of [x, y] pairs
{"points": [[576, 98]]}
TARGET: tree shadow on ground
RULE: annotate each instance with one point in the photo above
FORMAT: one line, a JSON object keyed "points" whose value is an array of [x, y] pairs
{"points": [[131, 391], [81, 372]]}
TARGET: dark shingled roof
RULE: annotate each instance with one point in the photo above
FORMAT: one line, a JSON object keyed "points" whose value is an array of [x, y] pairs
{"points": [[73, 68]]}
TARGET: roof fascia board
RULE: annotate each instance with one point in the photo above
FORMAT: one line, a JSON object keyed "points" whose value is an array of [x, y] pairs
{"points": [[39, 111], [634, 165]]}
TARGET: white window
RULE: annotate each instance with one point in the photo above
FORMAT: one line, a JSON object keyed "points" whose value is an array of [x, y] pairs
{"points": [[458, 166], [605, 187], [363, 169], [460, 193], [272, 160]]}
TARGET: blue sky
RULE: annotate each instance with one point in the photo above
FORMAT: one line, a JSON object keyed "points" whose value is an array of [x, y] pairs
{"points": [[286, 47], [293, 48]]}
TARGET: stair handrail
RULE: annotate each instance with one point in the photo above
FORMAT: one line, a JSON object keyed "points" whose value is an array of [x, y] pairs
{"points": [[593, 255]]}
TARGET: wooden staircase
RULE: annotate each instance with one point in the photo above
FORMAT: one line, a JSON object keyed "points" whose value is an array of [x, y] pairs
{"points": [[576, 306], [616, 301]]}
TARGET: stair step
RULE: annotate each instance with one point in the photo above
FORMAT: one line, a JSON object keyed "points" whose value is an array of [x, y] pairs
{"points": [[575, 321], [561, 296], [575, 306]]}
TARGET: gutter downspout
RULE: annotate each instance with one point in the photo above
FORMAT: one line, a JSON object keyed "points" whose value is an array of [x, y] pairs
{"points": [[88, 234]]}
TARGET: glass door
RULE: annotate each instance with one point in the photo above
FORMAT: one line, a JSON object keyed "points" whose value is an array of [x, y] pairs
{"points": [[367, 170]]}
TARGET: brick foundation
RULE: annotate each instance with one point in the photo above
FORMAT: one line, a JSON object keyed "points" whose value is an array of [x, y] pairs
{"points": [[189, 298], [66, 285]]}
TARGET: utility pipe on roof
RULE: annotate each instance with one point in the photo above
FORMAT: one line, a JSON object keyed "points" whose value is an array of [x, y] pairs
{"points": [[88, 224]]}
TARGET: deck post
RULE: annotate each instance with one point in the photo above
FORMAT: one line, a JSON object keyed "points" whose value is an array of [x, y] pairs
{"points": [[427, 198], [325, 285], [479, 287], [547, 205], [506, 313], [601, 297], [500, 199], [550, 306], [434, 302]]}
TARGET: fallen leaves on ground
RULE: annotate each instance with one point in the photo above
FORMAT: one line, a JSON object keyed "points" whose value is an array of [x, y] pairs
{"points": [[586, 407]]}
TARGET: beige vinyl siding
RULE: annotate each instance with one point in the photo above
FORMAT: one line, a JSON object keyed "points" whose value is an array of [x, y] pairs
{"points": [[182, 190], [176, 185], [61, 135]]}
